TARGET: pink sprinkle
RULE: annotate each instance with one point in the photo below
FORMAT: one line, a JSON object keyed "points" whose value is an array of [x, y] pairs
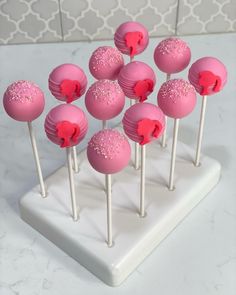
{"points": [[173, 46]]}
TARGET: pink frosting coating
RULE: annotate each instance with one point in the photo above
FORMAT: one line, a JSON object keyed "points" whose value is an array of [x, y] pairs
{"points": [[176, 98], [133, 72], [211, 64], [66, 72], [106, 63], [105, 99], [108, 151], [172, 55], [123, 29], [69, 113], [24, 101], [138, 112]]}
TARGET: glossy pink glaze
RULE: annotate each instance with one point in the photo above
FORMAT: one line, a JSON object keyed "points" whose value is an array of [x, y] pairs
{"points": [[106, 63], [133, 72], [105, 99], [108, 151], [24, 101], [66, 72], [211, 64], [65, 112], [176, 98], [138, 112], [172, 55], [119, 37]]}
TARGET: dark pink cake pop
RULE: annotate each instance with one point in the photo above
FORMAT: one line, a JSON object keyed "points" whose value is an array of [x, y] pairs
{"points": [[66, 125], [67, 82], [105, 99], [137, 80], [172, 55], [106, 63], [24, 101], [177, 98], [131, 38], [108, 151]]}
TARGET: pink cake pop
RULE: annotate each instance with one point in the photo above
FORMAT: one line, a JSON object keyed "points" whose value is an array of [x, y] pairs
{"points": [[104, 100], [67, 82], [24, 101], [177, 99], [108, 152], [143, 123], [137, 80], [208, 75], [66, 125], [131, 38], [106, 63]]}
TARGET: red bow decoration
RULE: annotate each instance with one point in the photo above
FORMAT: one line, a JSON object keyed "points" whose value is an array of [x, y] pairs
{"points": [[70, 89], [143, 88], [148, 128], [68, 132], [206, 80], [132, 39]]}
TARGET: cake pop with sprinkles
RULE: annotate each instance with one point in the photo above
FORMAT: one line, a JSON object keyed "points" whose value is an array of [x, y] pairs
{"points": [[106, 63], [108, 152]]}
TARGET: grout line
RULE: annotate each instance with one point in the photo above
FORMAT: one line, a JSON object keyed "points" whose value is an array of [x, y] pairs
{"points": [[177, 17], [60, 17]]}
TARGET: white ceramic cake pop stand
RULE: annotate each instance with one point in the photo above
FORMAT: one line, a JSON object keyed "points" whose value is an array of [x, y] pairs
{"points": [[134, 237]]}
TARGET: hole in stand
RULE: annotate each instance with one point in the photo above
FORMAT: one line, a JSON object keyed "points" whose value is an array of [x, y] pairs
{"points": [[112, 245], [199, 165], [139, 215], [172, 189]]}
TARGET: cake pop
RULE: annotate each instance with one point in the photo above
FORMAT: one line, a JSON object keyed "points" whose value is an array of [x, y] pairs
{"points": [[143, 123], [106, 63], [104, 100], [208, 75], [24, 101], [131, 38], [108, 152], [177, 99], [171, 55], [66, 125], [67, 82]]}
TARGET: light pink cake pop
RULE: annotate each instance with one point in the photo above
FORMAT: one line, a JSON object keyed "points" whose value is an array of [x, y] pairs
{"points": [[208, 75], [144, 122], [106, 63], [105, 99], [24, 101], [67, 82], [66, 125], [108, 151], [137, 80], [172, 55], [176, 98], [131, 38]]}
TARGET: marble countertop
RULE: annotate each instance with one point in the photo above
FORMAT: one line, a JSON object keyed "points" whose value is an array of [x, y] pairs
{"points": [[198, 257]]}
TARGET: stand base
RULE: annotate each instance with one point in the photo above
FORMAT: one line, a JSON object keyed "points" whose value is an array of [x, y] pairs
{"points": [[134, 237]]}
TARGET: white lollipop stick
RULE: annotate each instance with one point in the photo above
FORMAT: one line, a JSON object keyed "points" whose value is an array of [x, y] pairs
{"points": [[142, 182], [37, 161], [163, 139], [200, 131], [104, 124], [109, 210], [75, 159], [173, 154], [72, 184]]}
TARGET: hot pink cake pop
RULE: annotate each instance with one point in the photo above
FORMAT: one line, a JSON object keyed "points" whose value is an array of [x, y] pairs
{"points": [[177, 98], [106, 63], [137, 80], [67, 82], [172, 55], [66, 125], [108, 151], [144, 123], [131, 38], [208, 75], [105, 99], [24, 101]]}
